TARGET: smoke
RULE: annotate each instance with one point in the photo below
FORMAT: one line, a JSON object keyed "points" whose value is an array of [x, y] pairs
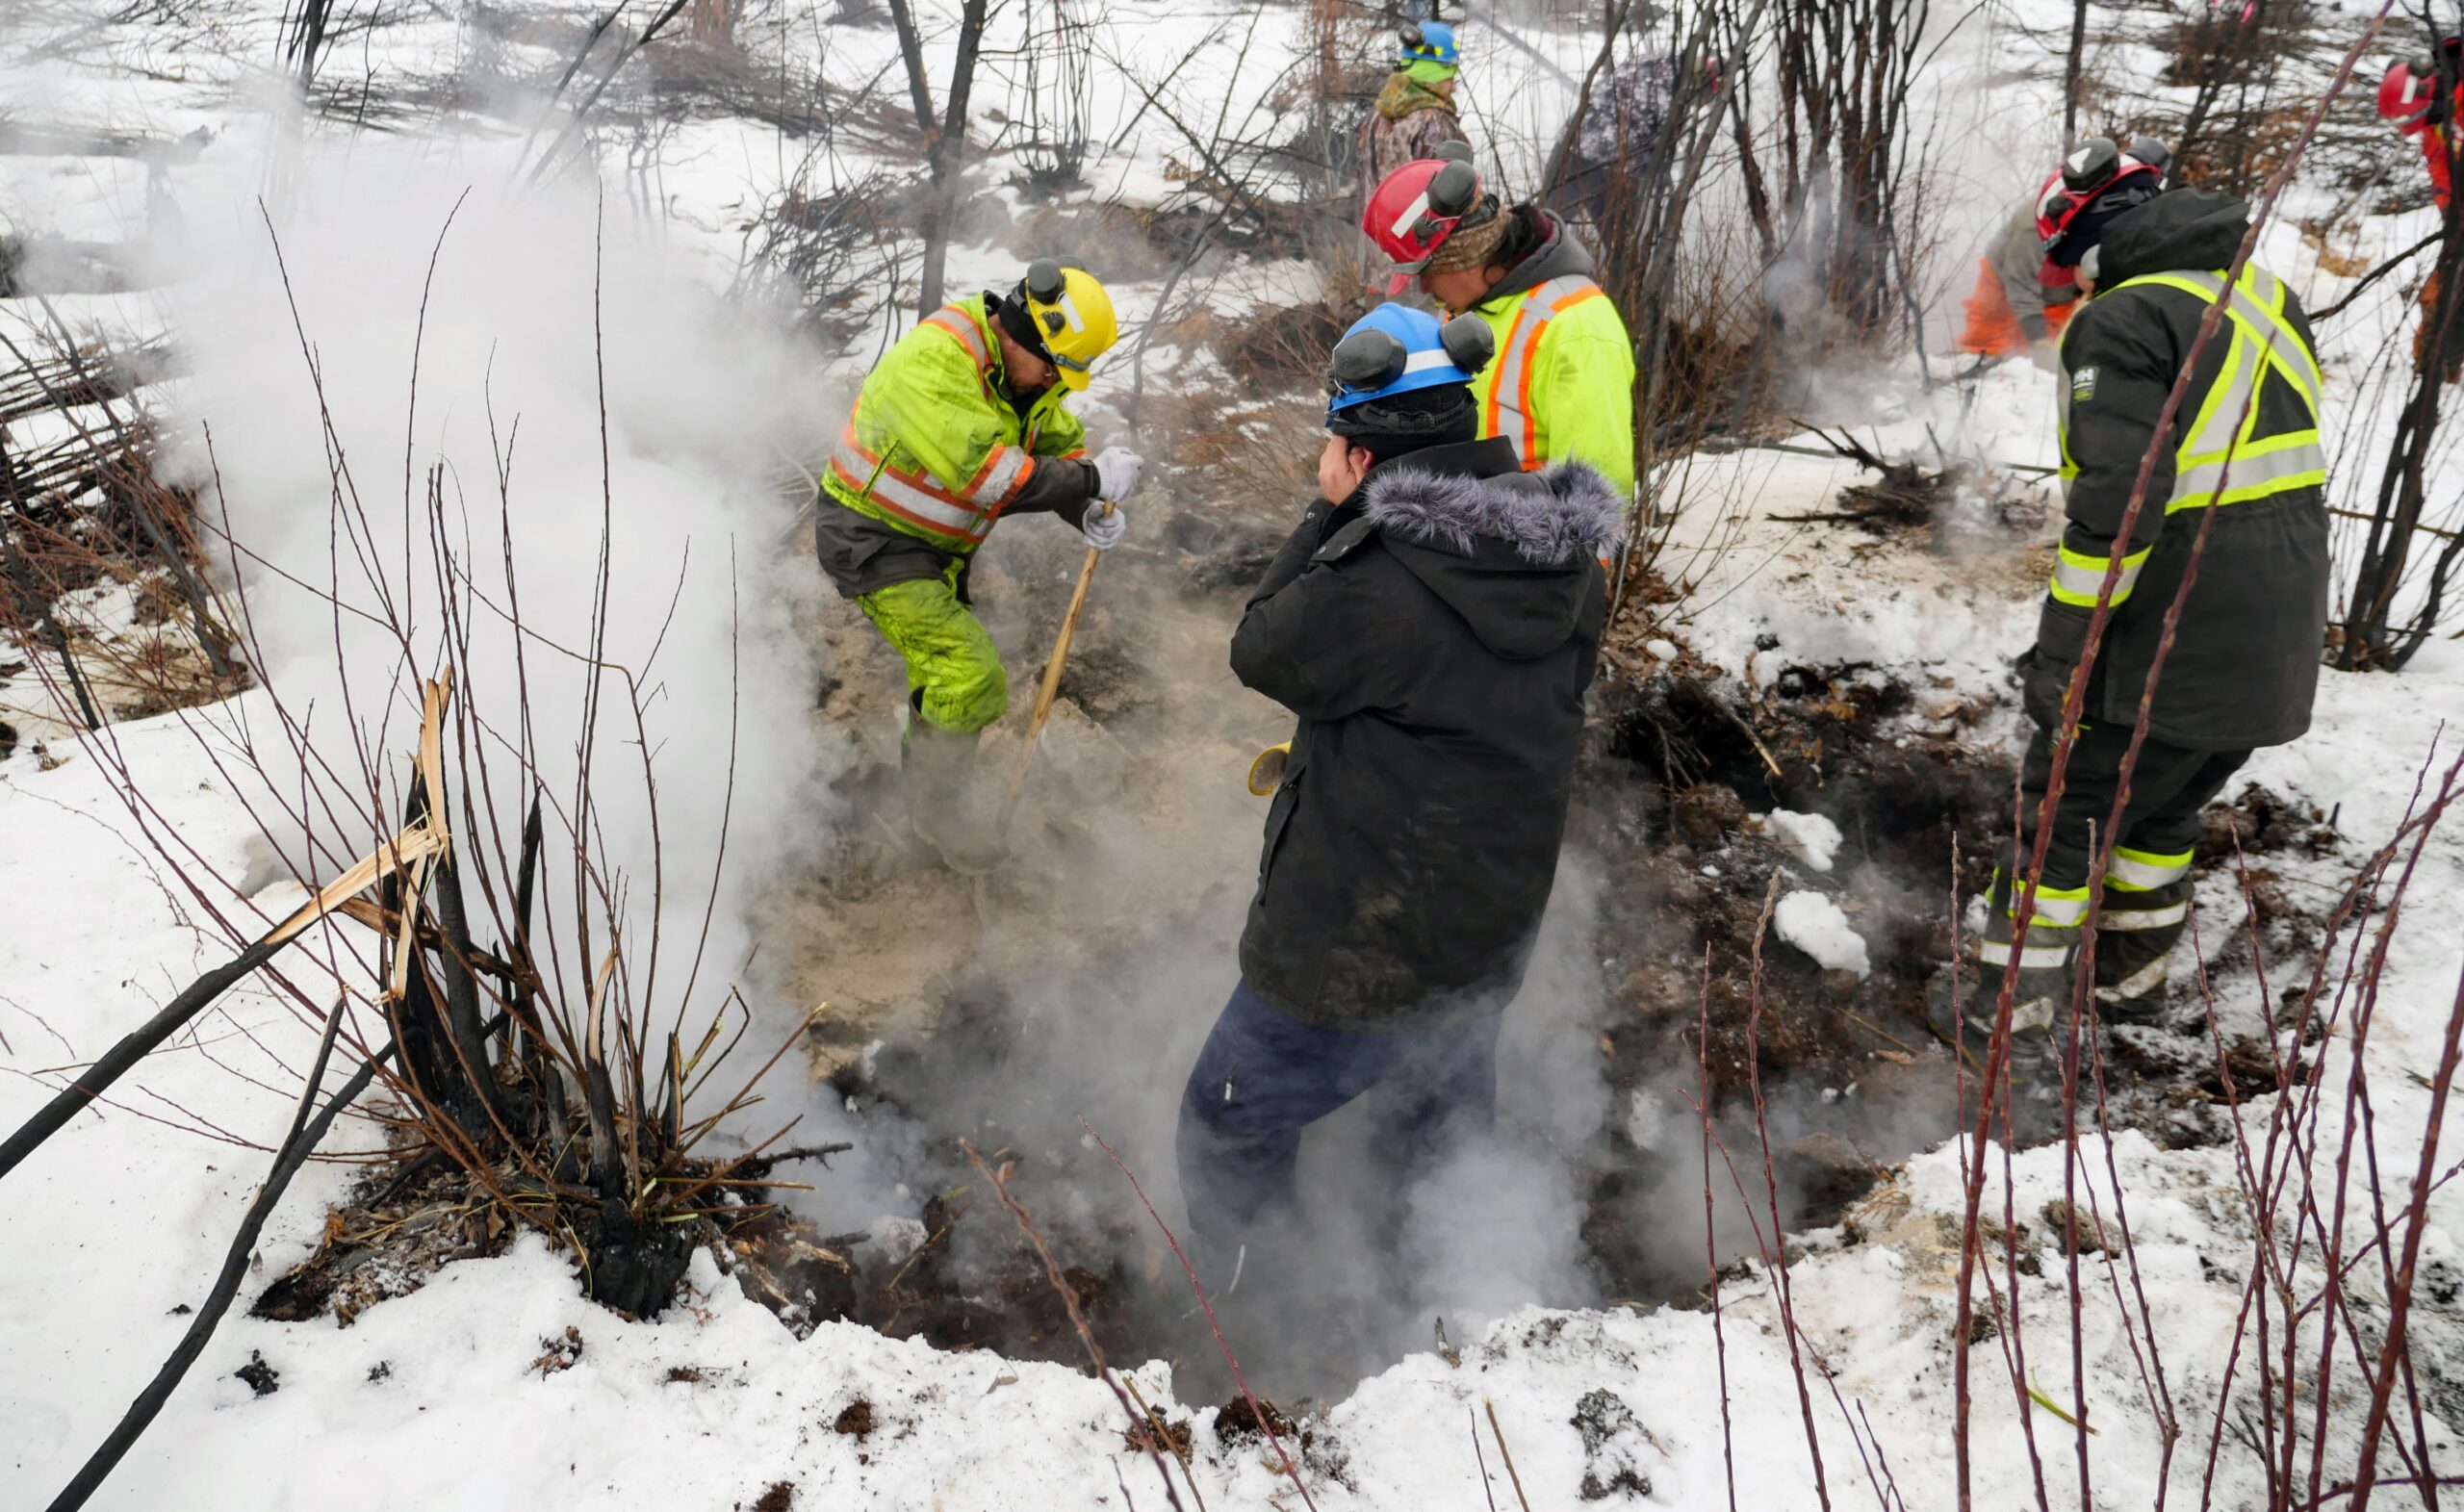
{"points": [[394, 360]]}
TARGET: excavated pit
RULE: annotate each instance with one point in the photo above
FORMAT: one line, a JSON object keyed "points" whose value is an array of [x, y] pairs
{"points": [[1080, 978], [1677, 763]]}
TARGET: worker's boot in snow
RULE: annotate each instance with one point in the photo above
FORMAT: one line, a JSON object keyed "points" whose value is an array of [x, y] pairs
{"points": [[2137, 931], [944, 800], [2039, 999]]}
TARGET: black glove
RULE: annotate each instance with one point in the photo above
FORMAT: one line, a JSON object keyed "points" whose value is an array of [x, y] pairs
{"points": [[2044, 671]]}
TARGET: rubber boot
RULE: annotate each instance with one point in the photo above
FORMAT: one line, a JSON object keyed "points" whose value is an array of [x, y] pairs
{"points": [[2136, 934], [2040, 1000], [945, 803]]}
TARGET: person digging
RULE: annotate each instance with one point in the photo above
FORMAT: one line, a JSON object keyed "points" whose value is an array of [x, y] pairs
{"points": [[963, 424], [1434, 622]]}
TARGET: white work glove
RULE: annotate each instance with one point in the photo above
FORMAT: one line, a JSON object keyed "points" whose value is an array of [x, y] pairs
{"points": [[1118, 470], [1103, 531], [2046, 356]]}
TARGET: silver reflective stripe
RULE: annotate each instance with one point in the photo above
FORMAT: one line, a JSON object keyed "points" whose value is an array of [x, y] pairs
{"points": [[892, 490], [896, 490], [2126, 920], [1997, 953], [2086, 581], [2242, 469], [2054, 912], [1000, 477], [2128, 872]]}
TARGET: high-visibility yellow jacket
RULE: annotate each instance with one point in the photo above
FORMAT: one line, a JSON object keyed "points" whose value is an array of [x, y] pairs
{"points": [[934, 448], [1561, 385]]}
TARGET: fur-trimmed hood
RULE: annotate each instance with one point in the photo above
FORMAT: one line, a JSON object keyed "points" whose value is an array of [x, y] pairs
{"points": [[1515, 553]]}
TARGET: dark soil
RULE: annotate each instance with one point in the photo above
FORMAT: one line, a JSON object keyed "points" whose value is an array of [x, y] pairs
{"points": [[855, 1419], [262, 1378]]}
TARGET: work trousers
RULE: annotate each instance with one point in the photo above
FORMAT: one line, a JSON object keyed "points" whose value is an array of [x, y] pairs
{"points": [[1994, 326], [2146, 883], [1264, 1077], [953, 672]]}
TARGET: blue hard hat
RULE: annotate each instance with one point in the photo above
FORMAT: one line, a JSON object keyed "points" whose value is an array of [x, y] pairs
{"points": [[1395, 349], [1428, 42]]}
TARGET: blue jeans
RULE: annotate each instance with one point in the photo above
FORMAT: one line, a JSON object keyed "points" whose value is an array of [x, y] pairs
{"points": [[1264, 1077]]}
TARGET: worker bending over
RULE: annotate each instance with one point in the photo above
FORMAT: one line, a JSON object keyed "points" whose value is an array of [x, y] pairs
{"points": [[2027, 284], [2242, 460], [962, 424], [1414, 113], [1433, 621], [1561, 386]]}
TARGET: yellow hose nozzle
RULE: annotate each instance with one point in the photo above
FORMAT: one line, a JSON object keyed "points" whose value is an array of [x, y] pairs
{"points": [[1266, 773]]}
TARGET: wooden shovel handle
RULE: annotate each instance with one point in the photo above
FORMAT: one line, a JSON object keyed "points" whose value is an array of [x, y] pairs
{"points": [[1051, 685]]}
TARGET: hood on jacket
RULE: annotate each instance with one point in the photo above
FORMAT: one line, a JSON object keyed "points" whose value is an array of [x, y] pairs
{"points": [[1514, 553], [1404, 95], [1557, 255], [2180, 230]]}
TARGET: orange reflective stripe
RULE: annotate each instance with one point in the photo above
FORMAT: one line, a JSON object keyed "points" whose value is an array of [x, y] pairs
{"points": [[1511, 375]]}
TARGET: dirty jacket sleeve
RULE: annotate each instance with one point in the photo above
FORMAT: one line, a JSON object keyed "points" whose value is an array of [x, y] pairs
{"points": [[1060, 482], [2015, 255], [2118, 369], [1329, 636]]}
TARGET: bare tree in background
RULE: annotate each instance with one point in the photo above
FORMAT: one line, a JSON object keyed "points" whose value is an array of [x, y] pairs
{"points": [[1823, 166], [944, 137]]}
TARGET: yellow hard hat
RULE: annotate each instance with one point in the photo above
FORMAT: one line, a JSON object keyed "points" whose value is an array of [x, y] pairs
{"points": [[1075, 314]]}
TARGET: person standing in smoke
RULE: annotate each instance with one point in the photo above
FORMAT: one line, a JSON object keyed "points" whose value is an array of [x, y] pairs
{"points": [[1433, 621]]}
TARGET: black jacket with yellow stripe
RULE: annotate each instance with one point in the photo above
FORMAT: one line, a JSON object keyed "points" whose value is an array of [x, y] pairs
{"points": [[2242, 457]]}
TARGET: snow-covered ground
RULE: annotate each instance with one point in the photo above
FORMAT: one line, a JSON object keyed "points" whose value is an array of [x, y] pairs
{"points": [[470, 1392]]}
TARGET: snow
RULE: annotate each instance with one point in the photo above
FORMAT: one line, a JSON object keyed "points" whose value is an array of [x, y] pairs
{"points": [[1814, 837], [1816, 925]]}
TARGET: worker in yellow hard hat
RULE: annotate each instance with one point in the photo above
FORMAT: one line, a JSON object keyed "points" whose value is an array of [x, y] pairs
{"points": [[961, 423]]}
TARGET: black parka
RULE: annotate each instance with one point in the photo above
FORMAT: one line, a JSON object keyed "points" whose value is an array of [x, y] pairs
{"points": [[2244, 664], [1435, 634]]}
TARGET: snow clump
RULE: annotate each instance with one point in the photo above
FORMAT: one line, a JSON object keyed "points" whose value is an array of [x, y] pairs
{"points": [[1811, 835], [1814, 925]]}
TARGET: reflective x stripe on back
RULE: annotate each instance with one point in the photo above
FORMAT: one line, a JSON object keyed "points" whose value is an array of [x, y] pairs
{"points": [[2221, 461], [1505, 399]]}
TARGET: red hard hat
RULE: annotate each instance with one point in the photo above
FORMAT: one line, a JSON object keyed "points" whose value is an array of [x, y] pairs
{"points": [[1415, 209], [2408, 92]]}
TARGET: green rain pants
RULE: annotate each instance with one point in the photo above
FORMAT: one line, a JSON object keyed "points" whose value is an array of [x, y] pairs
{"points": [[953, 674]]}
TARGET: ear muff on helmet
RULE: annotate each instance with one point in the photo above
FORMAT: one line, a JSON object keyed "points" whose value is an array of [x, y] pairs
{"points": [[1454, 190], [1469, 342], [2152, 151], [1453, 152], [1414, 40], [1365, 361], [2091, 163]]}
